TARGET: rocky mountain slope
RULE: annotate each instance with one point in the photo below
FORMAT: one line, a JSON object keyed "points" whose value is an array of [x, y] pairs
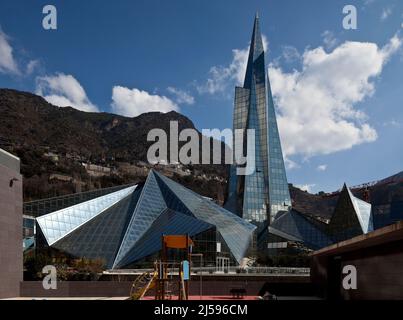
{"points": [[39, 132], [53, 143]]}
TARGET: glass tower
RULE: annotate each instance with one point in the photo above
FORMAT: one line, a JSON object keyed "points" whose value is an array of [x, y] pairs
{"points": [[258, 197]]}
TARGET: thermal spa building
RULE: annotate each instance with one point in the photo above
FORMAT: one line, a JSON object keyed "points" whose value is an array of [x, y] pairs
{"points": [[124, 227]]}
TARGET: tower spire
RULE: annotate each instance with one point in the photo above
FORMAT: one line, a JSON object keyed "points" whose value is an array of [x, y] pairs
{"points": [[255, 50], [256, 42], [261, 195]]}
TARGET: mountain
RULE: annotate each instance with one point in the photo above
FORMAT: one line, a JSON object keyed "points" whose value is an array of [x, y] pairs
{"points": [[29, 121], [386, 197], [315, 205], [53, 142]]}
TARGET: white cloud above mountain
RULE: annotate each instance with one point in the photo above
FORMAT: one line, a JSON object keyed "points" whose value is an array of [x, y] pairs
{"points": [[306, 187], [180, 96], [8, 63], [64, 91], [133, 102], [32, 66], [317, 106]]}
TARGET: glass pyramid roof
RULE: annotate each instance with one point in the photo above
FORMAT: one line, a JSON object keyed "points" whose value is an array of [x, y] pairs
{"points": [[58, 224], [126, 225], [169, 222], [235, 231], [101, 236], [352, 216], [293, 226], [149, 206], [363, 212]]}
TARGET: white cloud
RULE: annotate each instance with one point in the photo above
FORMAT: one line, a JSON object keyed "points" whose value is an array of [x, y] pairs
{"points": [[31, 66], [322, 167], [133, 102], [290, 165], [223, 77], [329, 39], [8, 63], [386, 12], [368, 2], [290, 54], [220, 77], [181, 97], [317, 111], [64, 90], [392, 123], [306, 187], [317, 106]]}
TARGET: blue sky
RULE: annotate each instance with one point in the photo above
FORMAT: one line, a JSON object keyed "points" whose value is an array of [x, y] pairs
{"points": [[338, 92]]}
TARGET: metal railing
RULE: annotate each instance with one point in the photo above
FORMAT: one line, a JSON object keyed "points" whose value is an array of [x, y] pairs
{"points": [[254, 270], [229, 270]]}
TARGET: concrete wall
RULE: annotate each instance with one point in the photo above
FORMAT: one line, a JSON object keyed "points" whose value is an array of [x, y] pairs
{"points": [[11, 260], [378, 259], [379, 273]]}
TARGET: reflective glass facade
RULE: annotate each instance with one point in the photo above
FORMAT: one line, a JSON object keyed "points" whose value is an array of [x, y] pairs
{"points": [[38, 208], [235, 231], [169, 222], [351, 217], [58, 224], [28, 232], [258, 197], [125, 227], [294, 226], [101, 236], [149, 207]]}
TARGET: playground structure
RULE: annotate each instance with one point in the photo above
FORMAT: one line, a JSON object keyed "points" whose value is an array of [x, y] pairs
{"points": [[166, 273]]}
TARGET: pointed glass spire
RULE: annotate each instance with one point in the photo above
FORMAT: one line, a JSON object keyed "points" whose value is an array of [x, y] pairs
{"points": [[257, 42], [362, 210], [256, 49], [351, 217], [260, 196]]}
